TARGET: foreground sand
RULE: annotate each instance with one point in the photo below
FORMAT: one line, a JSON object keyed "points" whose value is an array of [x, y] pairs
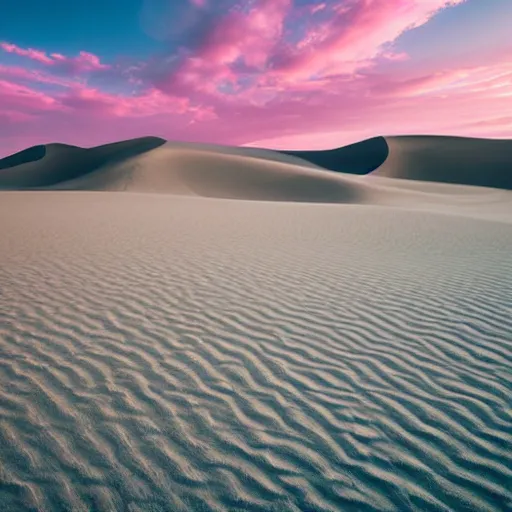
{"points": [[176, 352]]}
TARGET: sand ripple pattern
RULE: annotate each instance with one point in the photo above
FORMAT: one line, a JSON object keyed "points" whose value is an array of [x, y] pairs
{"points": [[165, 354]]}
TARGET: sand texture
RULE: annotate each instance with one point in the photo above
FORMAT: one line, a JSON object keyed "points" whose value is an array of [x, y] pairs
{"points": [[197, 328]]}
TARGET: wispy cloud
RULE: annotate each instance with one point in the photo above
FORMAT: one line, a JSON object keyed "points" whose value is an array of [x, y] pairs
{"points": [[83, 62]]}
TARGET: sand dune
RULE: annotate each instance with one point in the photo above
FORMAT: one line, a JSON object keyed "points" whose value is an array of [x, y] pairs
{"points": [[481, 162], [465, 161], [43, 166], [222, 345], [151, 164], [201, 172]]}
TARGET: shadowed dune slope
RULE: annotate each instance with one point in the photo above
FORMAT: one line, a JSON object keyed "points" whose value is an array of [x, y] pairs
{"points": [[459, 160], [23, 157], [43, 166], [359, 158]]}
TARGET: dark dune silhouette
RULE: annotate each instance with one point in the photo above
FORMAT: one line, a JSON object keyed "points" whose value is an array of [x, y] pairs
{"points": [[23, 157], [359, 158], [43, 166]]}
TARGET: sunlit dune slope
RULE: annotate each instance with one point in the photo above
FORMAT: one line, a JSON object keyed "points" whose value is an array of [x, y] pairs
{"points": [[198, 172]]}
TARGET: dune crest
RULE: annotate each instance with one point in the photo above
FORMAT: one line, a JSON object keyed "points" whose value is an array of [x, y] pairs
{"points": [[46, 166], [465, 161], [443, 159], [26, 156], [150, 164], [182, 171], [359, 158]]}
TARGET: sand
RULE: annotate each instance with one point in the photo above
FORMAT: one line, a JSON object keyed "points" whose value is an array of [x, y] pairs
{"points": [[187, 327]]}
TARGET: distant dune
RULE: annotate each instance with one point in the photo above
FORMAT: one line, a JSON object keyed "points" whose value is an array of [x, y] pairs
{"points": [[44, 166], [182, 329], [480, 162], [152, 164], [465, 161]]}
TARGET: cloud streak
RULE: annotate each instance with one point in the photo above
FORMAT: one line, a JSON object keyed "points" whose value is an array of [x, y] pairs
{"points": [[84, 62]]}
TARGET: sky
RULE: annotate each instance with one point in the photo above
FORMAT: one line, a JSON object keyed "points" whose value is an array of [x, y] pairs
{"points": [[296, 74]]}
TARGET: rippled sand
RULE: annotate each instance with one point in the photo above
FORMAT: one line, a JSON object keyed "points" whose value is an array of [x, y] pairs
{"points": [[164, 353]]}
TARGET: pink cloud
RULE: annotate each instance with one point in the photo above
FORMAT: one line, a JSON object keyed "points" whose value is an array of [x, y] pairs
{"points": [[390, 55], [490, 79], [337, 112], [83, 62], [355, 33], [249, 46], [317, 8], [19, 73], [246, 36], [29, 52], [150, 103], [14, 96]]}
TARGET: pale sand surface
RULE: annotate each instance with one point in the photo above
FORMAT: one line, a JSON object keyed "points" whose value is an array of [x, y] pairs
{"points": [[170, 351]]}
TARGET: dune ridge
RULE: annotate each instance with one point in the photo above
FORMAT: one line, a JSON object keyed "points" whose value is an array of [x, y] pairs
{"points": [[443, 159], [478, 162], [202, 172], [151, 164], [23, 157], [44, 166]]}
